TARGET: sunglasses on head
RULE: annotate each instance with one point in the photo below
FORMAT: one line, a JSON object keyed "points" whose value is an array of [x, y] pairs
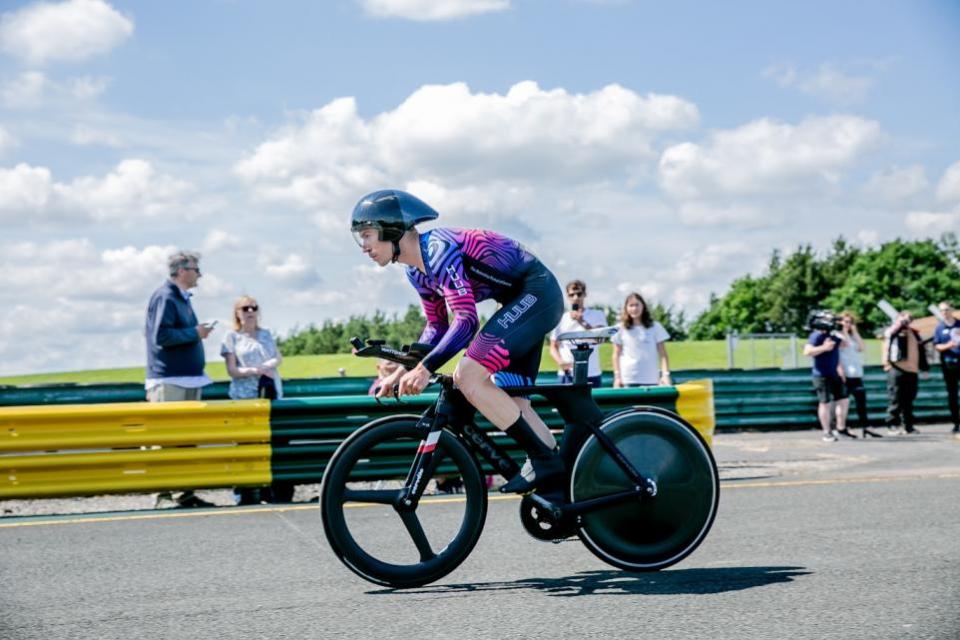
{"points": [[251, 307]]}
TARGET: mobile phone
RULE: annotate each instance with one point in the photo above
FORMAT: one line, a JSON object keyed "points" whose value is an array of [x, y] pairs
{"points": [[575, 306], [211, 323]]}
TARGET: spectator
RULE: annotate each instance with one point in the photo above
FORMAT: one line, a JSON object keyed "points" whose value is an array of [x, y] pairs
{"points": [[384, 369], [252, 360], [577, 319], [851, 362], [901, 361], [828, 380], [175, 359], [638, 346], [946, 340]]}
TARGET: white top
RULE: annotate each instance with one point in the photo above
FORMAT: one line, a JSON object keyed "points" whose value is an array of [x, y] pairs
{"points": [[851, 358], [592, 317], [251, 351], [639, 361]]}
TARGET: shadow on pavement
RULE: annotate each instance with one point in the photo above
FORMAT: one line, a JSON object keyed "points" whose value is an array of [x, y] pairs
{"points": [[677, 582]]}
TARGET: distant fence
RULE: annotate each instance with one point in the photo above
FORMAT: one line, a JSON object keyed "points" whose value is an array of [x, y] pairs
{"points": [[754, 398]]}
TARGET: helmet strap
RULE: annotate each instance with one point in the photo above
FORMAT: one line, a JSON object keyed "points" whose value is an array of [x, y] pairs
{"points": [[396, 251]]}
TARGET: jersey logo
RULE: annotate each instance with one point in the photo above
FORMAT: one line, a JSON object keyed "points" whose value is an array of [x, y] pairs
{"points": [[456, 280], [517, 310]]}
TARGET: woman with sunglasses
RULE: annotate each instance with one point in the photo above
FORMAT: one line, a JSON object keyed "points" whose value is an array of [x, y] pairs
{"points": [[252, 360]]}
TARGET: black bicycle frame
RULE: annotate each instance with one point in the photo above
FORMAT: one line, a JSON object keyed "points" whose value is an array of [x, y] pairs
{"points": [[581, 415]]}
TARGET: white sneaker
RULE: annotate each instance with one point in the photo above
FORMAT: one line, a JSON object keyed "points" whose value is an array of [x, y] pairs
{"points": [[830, 437]]}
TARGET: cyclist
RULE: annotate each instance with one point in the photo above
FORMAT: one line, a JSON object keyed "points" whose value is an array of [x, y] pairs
{"points": [[454, 269]]}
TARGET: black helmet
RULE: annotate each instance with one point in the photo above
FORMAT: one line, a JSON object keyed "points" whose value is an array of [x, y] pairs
{"points": [[391, 212]]}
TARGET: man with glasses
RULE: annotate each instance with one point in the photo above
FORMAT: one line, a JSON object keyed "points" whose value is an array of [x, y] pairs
{"points": [[577, 319], [175, 358], [946, 340]]}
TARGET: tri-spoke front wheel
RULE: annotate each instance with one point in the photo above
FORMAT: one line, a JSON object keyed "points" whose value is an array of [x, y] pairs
{"points": [[371, 531]]}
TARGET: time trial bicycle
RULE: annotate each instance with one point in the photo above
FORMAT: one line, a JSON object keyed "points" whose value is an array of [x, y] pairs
{"points": [[641, 489]]}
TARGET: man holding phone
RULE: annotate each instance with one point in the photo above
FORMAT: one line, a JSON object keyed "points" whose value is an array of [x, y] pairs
{"points": [[577, 319], [175, 358]]}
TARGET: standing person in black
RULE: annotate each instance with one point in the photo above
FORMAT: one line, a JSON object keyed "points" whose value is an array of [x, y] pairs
{"points": [[946, 340], [901, 361]]}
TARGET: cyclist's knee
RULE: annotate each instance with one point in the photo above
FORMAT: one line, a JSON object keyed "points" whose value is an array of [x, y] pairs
{"points": [[470, 375]]}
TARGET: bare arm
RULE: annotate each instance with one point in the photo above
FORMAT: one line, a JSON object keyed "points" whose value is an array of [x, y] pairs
{"points": [[664, 363], [617, 352], [555, 354], [235, 370]]}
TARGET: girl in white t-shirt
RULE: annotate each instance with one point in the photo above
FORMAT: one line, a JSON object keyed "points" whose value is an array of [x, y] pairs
{"points": [[638, 347]]}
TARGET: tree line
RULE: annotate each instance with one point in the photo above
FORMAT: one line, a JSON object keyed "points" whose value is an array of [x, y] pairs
{"points": [[909, 274]]}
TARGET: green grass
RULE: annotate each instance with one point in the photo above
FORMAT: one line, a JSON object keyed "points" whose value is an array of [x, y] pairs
{"points": [[705, 354]]}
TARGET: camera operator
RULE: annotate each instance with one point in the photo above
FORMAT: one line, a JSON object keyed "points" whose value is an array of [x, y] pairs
{"points": [[828, 377], [577, 319], [901, 361]]}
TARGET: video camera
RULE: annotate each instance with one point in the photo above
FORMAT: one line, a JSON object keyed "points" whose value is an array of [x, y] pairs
{"points": [[823, 320]]}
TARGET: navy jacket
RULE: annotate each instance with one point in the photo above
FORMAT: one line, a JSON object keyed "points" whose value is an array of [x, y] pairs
{"points": [[174, 347]]}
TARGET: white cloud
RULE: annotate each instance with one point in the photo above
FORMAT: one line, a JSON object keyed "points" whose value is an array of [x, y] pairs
{"points": [[133, 190], [897, 183], [767, 157], [292, 270], [219, 240], [88, 87], [67, 31], [25, 91], [948, 189], [445, 135], [32, 89], [432, 10], [85, 135], [932, 223], [828, 82]]}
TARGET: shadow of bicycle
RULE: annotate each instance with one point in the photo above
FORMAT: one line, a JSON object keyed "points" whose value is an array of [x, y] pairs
{"points": [[612, 582]]}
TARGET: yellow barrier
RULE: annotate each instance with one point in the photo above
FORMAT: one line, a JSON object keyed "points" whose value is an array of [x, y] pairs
{"points": [[89, 449], [695, 405]]}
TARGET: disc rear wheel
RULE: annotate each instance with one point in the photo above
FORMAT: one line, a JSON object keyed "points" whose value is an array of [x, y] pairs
{"points": [[649, 533]]}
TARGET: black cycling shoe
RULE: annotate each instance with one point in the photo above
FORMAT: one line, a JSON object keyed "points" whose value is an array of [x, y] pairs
{"points": [[536, 472], [545, 462]]}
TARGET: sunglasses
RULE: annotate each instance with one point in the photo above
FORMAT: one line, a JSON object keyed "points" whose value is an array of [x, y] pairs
{"points": [[250, 308], [197, 269], [575, 294]]}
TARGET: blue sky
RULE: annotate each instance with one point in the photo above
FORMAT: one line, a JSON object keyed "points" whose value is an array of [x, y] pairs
{"points": [[666, 147]]}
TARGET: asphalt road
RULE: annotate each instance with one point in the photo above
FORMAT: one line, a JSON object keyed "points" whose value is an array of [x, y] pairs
{"points": [[857, 539]]}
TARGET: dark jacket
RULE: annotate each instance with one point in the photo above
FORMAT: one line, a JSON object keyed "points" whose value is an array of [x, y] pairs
{"points": [[174, 347]]}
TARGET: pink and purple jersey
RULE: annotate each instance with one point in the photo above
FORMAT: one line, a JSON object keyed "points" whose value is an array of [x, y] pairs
{"points": [[464, 266]]}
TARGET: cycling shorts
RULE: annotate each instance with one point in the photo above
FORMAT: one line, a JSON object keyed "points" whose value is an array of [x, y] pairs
{"points": [[510, 344]]}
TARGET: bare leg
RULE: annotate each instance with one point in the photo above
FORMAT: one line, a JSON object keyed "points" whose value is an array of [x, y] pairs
{"points": [[493, 402], [842, 408], [823, 412]]}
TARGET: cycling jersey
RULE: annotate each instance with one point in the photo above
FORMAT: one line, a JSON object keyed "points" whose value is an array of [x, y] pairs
{"points": [[466, 266]]}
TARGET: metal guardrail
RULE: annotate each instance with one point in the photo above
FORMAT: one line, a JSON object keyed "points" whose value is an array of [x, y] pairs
{"points": [[88, 449], [122, 447]]}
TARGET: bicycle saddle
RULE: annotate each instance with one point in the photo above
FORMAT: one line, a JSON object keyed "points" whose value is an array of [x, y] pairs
{"points": [[598, 334]]}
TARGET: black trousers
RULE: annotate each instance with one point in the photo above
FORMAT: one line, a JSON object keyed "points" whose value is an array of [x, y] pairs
{"points": [[901, 392], [856, 390], [951, 376]]}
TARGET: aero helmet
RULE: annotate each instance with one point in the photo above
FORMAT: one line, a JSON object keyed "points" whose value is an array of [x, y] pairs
{"points": [[391, 212]]}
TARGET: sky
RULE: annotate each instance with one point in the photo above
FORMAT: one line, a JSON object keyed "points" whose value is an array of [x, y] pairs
{"points": [[637, 145]]}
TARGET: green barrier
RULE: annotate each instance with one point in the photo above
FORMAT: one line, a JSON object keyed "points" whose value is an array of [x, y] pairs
{"points": [[306, 431]]}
